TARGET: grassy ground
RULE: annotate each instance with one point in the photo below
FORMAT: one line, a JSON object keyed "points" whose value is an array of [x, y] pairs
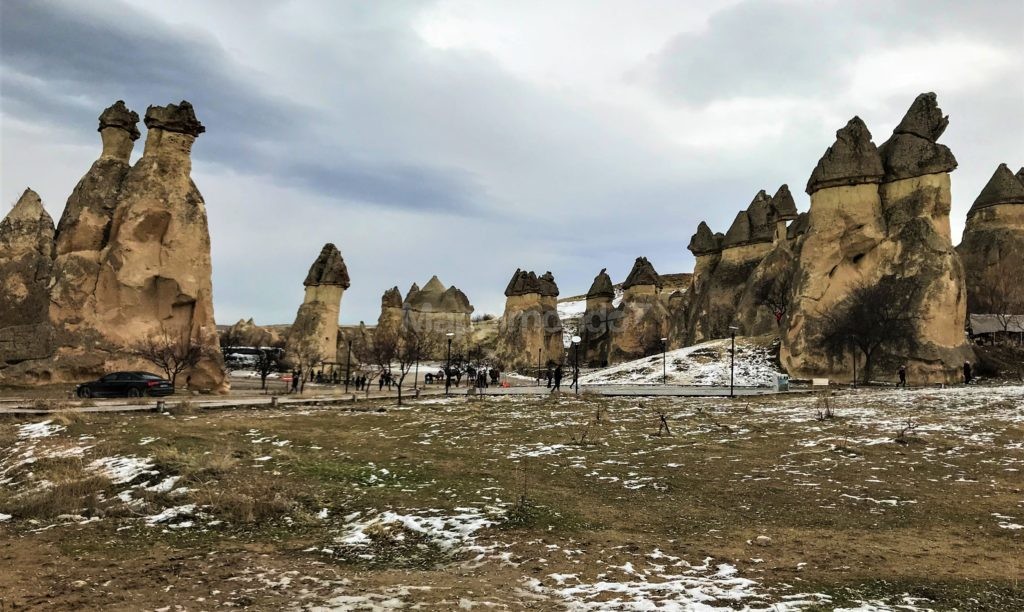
{"points": [[899, 499]]}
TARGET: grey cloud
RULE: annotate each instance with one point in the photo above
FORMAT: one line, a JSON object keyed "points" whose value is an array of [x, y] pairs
{"points": [[82, 51]]}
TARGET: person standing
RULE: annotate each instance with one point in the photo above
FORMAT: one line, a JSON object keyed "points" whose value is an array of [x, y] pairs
{"points": [[968, 374], [550, 376], [558, 380], [903, 376], [295, 380]]}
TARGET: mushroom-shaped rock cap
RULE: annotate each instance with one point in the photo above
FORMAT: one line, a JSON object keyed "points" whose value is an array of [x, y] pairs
{"points": [[117, 115], [517, 285], [602, 286], [643, 273], [179, 118], [454, 300], [851, 160], [912, 150], [547, 285], [328, 269], [1002, 188], [704, 242], [739, 231], [392, 298], [783, 204]]}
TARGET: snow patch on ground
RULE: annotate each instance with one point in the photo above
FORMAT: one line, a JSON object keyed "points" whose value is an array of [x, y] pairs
{"points": [[121, 470], [45, 429], [450, 532], [705, 364]]}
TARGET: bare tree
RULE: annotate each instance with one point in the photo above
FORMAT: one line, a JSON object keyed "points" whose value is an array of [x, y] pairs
{"points": [[874, 318], [173, 354], [268, 359], [775, 294], [395, 351]]}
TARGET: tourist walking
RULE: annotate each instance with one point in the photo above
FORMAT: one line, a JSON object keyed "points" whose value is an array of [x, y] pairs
{"points": [[550, 376], [295, 380], [968, 374], [558, 380], [903, 376]]}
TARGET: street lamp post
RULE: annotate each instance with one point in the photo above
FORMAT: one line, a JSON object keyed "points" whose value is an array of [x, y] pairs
{"points": [[448, 365], [576, 367], [664, 369], [348, 365], [732, 361], [539, 351]]}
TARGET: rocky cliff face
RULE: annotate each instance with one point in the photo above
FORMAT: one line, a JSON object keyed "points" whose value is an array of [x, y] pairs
{"points": [[642, 319], [992, 248], [313, 337], [529, 331], [881, 212], [26, 261]]}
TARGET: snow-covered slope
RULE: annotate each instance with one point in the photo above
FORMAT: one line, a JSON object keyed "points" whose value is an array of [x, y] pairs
{"points": [[701, 364]]}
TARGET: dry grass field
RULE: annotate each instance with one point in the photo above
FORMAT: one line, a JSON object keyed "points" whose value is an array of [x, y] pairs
{"points": [[877, 500]]}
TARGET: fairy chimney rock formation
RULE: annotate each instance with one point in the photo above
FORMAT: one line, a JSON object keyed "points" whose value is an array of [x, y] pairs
{"points": [[391, 310], [530, 331], [437, 309], [132, 257], [878, 214], [26, 260], [783, 210], [642, 319], [313, 338], [596, 323], [992, 248], [84, 232]]}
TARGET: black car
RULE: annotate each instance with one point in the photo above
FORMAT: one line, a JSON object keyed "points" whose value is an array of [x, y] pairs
{"points": [[126, 384]]}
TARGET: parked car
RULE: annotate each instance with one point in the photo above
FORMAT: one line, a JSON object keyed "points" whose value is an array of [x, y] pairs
{"points": [[126, 384]]}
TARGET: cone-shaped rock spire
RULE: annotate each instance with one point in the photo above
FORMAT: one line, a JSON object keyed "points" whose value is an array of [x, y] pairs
{"points": [[739, 231], [602, 286], [643, 273], [1002, 188], [392, 298], [783, 204]]}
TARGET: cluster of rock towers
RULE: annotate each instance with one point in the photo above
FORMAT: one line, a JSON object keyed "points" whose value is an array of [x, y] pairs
{"points": [[129, 259], [876, 212], [434, 309]]}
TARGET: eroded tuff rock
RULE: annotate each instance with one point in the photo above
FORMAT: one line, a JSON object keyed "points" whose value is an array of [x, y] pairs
{"points": [[245, 332], [992, 248], [132, 257], [155, 273], [437, 309], [530, 331], [642, 319], [26, 261], [852, 160], [597, 321], [868, 222], [912, 150], [313, 338], [392, 314], [83, 234]]}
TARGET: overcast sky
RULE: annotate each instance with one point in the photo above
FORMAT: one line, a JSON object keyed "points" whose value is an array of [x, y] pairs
{"points": [[466, 138]]}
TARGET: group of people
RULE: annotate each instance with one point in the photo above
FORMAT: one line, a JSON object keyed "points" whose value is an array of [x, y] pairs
{"points": [[967, 369], [555, 376]]}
